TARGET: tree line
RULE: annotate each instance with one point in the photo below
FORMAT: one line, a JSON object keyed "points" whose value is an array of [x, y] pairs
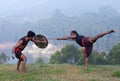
{"points": [[71, 54]]}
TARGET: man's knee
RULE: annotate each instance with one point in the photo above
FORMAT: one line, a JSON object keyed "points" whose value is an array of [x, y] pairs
{"points": [[23, 57]]}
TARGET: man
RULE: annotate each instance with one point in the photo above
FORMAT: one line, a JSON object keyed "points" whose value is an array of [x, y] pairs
{"points": [[86, 42], [20, 46]]}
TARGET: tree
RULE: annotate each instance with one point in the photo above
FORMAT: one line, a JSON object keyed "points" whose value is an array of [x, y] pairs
{"points": [[3, 58], [102, 59], [56, 58], [98, 58], [114, 55], [39, 61], [68, 54], [81, 57], [73, 55]]}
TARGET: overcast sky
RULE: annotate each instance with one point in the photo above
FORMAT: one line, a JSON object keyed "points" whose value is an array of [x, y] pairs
{"points": [[73, 7]]}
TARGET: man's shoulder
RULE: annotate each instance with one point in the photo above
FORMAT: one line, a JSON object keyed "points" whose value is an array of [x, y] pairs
{"points": [[22, 38]]}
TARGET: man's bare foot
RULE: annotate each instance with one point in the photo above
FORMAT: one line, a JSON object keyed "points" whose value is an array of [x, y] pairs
{"points": [[111, 31]]}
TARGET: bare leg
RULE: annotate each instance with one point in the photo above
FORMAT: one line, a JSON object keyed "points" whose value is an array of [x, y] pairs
{"points": [[86, 63], [23, 64], [18, 65], [93, 39]]}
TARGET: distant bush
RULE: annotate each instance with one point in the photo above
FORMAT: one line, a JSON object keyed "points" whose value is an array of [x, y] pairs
{"points": [[3, 58], [39, 61]]}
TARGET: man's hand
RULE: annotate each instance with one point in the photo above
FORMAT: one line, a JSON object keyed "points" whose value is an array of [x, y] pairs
{"points": [[58, 38], [38, 41], [44, 41], [13, 56]]}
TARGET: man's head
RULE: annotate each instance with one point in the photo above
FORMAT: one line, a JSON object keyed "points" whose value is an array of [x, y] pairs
{"points": [[74, 32], [30, 34]]}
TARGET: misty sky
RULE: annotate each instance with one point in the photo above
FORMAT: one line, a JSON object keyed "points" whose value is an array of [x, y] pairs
{"points": [[47, 7], [72, 7]]}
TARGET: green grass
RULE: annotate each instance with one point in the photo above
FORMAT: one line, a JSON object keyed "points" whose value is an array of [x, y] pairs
{"points": [[116, 74], [36, 72]]}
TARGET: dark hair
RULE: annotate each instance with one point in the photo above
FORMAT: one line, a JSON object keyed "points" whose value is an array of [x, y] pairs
{"points": [[75, 32], [30, 34]]}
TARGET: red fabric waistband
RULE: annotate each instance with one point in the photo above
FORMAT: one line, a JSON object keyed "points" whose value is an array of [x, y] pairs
{"points": [[17, 50], [83, 41]]}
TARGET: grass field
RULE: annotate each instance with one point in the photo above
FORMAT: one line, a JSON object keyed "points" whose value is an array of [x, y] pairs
{"points": [[36, 72]]}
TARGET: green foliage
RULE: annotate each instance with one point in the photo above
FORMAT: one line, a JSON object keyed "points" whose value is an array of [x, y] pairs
{"points": [[116, 74], [39, 61], [3, 58], [98, 58], [114, 55], [73, 55], [68, 54], [55, 58], [81, 57]]}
